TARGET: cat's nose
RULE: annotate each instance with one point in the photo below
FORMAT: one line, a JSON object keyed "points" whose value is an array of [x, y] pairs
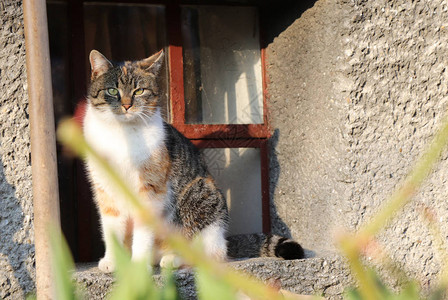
{"points": [[126, 106]]}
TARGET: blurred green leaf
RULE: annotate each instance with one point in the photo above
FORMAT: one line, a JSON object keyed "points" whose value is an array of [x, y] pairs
{"points": [[352, 294], [169, 289], [383, 290], [31, 297], [410, 291], [439, 293], [133, 279], [62, 266], [209, 287]]}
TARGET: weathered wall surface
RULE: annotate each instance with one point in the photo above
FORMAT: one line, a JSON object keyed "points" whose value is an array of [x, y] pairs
{"points": [[397, 53], [16, 231], [309, 166], [357, 90]]}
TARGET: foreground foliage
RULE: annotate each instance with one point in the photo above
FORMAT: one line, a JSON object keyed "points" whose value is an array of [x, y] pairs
{"points": [[217, 281]]}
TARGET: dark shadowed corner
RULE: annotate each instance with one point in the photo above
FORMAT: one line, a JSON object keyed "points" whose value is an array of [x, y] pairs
{"points": [[277, 16]]}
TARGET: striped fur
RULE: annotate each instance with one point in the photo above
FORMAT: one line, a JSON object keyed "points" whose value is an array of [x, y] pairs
{"points": [[263, 245]]}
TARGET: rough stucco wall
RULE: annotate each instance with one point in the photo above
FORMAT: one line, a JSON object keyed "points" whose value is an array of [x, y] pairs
{"points": [[397, 57], [309, 168], [369, 90], [16, 231]]}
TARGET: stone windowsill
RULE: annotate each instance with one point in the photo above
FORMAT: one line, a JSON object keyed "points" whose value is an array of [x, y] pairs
{"points": [[325, 276]]}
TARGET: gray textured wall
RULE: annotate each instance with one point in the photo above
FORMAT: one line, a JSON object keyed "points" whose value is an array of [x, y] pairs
{"points": [[16, 232], [308, 155], [357, 90]]}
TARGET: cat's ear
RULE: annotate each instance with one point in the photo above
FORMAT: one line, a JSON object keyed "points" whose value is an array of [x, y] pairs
{"points": [[153, 63], [99, 64]]}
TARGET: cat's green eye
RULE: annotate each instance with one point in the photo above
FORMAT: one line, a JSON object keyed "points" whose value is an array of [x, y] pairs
{"points": [[112, 91], [138, 92]]}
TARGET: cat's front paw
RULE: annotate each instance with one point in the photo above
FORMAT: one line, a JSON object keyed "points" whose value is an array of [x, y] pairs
{"points": [[171, 261], [106, 265]]}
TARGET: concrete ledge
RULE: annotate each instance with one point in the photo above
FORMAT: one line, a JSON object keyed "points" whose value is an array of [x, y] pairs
{"points": [[326, 276]]}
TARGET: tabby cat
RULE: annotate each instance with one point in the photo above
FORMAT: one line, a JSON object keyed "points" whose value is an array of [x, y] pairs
{"points": [[123, 123]]}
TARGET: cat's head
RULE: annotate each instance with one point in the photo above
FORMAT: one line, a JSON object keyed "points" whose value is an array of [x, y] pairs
{"points": [[127, 92]]}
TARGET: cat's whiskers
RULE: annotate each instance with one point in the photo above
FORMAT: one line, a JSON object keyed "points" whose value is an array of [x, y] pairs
{"points": [[145, 114], [155, 115], [149, 117], [139, 114]]}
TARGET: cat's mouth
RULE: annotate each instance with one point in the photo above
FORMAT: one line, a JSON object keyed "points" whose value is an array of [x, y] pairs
{"points": [[128, 115], [134, 115]]}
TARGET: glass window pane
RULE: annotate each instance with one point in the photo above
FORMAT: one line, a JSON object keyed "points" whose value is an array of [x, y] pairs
{"points": [[127, 32], [222, 65], [237, 172]]}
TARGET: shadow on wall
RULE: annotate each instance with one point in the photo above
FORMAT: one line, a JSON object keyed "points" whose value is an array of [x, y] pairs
{"points": [[277, 16], [15, 278], [278, 226]]}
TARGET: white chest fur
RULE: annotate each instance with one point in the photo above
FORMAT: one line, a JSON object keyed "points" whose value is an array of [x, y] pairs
{"points": [[125, 145]]}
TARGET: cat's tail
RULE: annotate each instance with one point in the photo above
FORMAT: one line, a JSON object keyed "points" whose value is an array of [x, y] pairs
{"points": [[263, 245]]}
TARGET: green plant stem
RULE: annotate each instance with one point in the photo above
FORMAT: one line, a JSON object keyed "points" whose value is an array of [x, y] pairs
{"points": [[441, 247], [352, 245], [70, 135], [404, 194]]}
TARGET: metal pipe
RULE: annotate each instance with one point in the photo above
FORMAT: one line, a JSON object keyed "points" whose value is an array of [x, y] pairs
{"points": [[43, 142]]}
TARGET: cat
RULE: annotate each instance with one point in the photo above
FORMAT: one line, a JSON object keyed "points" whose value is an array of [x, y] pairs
{"points": [[123, 123]]}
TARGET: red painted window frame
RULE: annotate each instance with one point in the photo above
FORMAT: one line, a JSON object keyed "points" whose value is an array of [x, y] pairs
{"points": [[199, 131], [221, 135]]}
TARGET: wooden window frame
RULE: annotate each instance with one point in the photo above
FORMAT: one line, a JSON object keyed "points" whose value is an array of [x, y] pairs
{"points": [[217, 135], [201, 131]]}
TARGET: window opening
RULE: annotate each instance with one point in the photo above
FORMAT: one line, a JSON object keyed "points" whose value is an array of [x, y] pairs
{"points": [[238, 174], [213, 85], [222, 65]]}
